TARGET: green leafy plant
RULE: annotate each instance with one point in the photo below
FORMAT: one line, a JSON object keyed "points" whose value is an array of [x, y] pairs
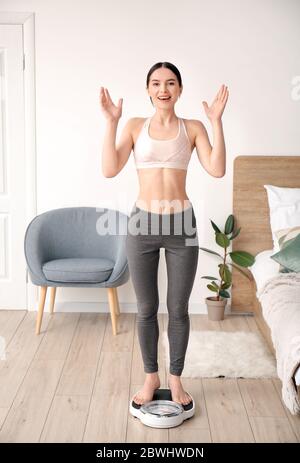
{"points": [[241, 258]]}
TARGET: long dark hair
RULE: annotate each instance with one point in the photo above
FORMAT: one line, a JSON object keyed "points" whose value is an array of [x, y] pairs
{"points": [[164, 64]]}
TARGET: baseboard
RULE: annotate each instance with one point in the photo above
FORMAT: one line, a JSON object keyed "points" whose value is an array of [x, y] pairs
{"points": [[102, 307]]}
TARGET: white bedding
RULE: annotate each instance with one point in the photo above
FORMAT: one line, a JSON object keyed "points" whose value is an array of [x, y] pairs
{"points": [[264, 269]]}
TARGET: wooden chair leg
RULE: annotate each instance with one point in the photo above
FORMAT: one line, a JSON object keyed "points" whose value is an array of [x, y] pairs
{"points": [[111, 302], [116, 305], [43, 292], [52, 299]]}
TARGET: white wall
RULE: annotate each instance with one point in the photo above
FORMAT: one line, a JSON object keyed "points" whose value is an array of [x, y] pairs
{"points": [[250, 46]]}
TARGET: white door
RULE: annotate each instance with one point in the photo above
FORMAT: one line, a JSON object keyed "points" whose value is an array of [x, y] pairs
{"points": [[12, 170]]}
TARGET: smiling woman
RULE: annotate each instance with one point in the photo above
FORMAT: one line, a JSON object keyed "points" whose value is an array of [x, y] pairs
{"points": [[170, 88], [162, 146]]}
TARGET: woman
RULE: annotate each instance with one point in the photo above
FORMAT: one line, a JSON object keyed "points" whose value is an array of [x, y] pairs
{"points": [[162, 148]]}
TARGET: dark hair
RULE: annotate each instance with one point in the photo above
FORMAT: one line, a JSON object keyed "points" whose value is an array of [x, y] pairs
{"points": [[164, 64]]}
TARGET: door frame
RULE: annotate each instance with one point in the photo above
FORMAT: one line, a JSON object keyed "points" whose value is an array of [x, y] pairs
{"points": [[27, 21]]}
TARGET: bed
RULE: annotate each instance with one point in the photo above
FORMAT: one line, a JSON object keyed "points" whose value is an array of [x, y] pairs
{"points": [[251, 211]]}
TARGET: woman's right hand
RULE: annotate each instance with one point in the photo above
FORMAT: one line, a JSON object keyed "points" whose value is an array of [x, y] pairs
{"points": [[110, 111]]}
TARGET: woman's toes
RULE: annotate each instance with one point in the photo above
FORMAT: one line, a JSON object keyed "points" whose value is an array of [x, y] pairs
{"points": [[188, 399], [183, 399], [136, 398]]}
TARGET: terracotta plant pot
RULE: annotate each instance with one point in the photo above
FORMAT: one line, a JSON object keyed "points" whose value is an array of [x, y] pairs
{"points": [[215, 308]]}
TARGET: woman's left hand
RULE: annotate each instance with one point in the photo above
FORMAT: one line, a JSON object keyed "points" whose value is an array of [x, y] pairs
{"points": [[215, 111]]}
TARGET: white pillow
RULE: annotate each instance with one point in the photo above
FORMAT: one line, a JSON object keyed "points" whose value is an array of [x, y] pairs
{"points": [[264, 268], [284, 206]]}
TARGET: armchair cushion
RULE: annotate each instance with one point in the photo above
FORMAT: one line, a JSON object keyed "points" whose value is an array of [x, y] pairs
{"points": [[88, 270]]}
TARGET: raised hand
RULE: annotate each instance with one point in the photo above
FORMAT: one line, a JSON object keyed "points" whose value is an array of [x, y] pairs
{"points": [[110, 111], [215, 111]]}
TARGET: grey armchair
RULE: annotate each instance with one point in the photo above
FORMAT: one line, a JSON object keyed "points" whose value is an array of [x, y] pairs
{"points": [[70, 247]]}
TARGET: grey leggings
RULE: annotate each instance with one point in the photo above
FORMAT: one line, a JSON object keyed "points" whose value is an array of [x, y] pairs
{"points": [[177, 233]]}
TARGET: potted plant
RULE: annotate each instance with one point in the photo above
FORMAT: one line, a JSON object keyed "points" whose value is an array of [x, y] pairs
{"points": [[216, 304]]}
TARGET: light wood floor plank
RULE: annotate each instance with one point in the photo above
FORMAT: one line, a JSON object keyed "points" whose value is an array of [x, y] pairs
{"points": [[77, 379], [66, 419], [226, 412], [3, 414], [183, 435], [260, 398], [58, 336], [123, 342], [108, 413], [9, 322], [27, 416], [269, 430], [79, 371], [293, 419], [19, 354]]}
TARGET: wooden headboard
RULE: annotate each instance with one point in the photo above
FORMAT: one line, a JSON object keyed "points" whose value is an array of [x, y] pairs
{"points": [[251, 211]]}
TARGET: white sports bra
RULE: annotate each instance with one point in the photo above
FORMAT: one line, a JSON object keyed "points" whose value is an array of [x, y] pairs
{"points": [[174, 153]]}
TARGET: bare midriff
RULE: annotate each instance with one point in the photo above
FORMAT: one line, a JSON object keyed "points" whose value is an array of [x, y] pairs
{"points": [[162, 190]]}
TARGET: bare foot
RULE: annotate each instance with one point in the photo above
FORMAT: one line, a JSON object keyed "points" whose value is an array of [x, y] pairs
{"points": [[152, 382], [177, 391]]}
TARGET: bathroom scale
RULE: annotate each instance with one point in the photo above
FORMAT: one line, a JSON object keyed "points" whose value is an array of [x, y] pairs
{"points": [[161, 411]]}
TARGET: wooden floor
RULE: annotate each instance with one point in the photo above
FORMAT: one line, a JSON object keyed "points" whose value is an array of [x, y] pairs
{"points": [[73, 383]]}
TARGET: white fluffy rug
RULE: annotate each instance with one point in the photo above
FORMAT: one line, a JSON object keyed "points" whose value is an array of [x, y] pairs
{"points": [[237, 354]]}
